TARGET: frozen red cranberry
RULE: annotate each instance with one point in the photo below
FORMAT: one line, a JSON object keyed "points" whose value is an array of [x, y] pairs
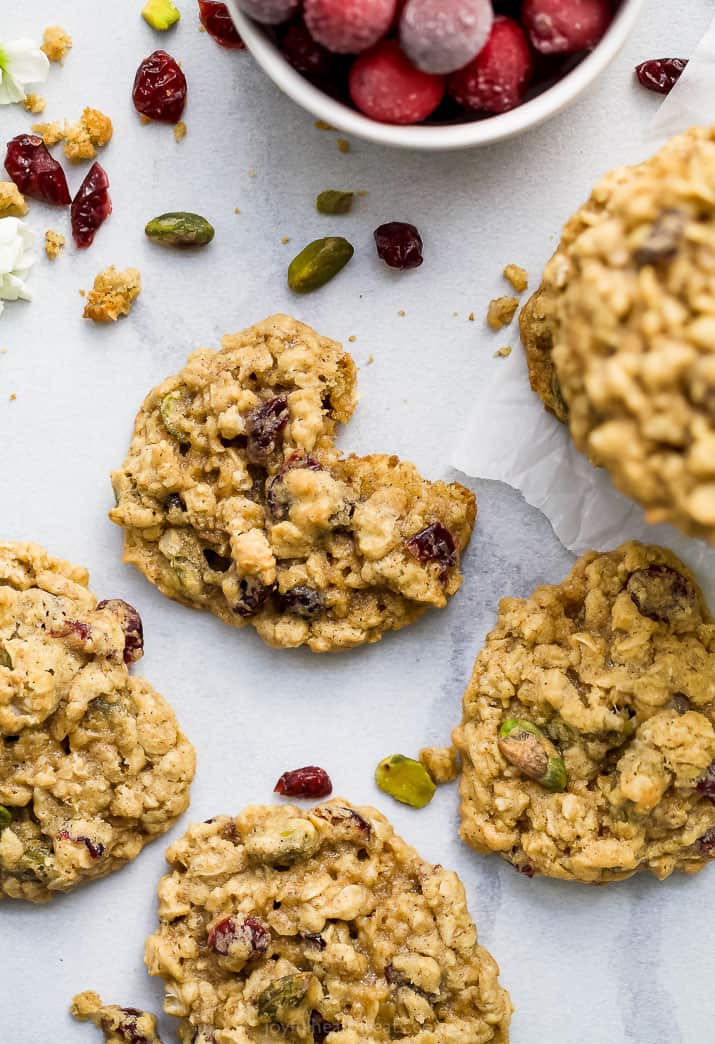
{"points": [[218, 23], [248, 934], [387, 87], [661, 74], [131, 623], [308, 782], [565, 26], [91, 206], [434, 543], [348, 26], [270, 12], [399, 245], [497, 79], [35, 172], [263, 426], [306, 55], [440, 36], [160, 88]]}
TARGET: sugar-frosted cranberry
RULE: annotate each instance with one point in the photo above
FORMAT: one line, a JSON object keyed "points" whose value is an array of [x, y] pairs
{"points": [[348, 26], [434, 543], [440, 36], [303, 601], [308, 782], [246, 937], [91, 206], [131, 623], [35, 172], [387, 87], [565, 26], [497, 79], [306, 55], [661, 74], [270, 12], [263, 426], [160, 88], [399, 244]]}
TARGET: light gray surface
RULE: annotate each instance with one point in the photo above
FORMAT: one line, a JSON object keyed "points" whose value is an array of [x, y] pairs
{"points": [[629, 963]]}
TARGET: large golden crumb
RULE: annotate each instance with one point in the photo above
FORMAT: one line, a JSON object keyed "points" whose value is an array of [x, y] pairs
{"points": [[35, 104], [92, 131], [442, 763], [12, 201], [54, 244], [180, 131], [50, 133], [518, 277], [56, 43], [112, 294], [501, 311]]}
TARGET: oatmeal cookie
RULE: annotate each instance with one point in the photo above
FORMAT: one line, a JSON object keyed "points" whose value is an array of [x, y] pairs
{"points": [[92, 762], [620, 337], [234, 498], [119, 1025], [283, 924], [587, 738]]}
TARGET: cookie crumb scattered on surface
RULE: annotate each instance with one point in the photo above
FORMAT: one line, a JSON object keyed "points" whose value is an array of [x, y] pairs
{"points": [[285, 239], [502, 353], [54, 243], [518, 277], [50, 133], [13, 397], [501, 311], [35, 104], [322, 125], [402, 312], [117, 1024], [12, 201], [56, 43], [471, 317], [83, 293], [251, 173], [362, 193], [180, 131], [112, 294], [370, 359], [144, 120], [352, 338], [442, 763], [343, 145], [92, 131]]}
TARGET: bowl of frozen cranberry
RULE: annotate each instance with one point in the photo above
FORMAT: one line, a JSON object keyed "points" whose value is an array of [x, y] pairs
{"points": [[434, 74]]}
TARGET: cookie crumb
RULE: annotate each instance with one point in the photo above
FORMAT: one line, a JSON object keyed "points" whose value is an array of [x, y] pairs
{"points": [[402, 312], [501, 311], [362, 193], [251, 173], [83, 293], [112, 294], [54, 243], [343, 145], [144, 120], [442, 763], [285, 239], [237, 210], [502, 353], [13, 396], [352, 338], [180, 131], [116, 1023], [518, 277], [471, 317], [12, 201], [370, 359], [56, 43], [35, 104], [322, 125], [92, 131], [50, 133]]}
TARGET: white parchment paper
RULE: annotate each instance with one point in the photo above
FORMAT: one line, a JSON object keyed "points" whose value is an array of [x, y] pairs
{"points": [[512, 439]]}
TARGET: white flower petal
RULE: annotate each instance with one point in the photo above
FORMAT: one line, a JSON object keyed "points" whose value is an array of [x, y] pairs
{"points": [[16, 259], [10, 90], [25, 62]]}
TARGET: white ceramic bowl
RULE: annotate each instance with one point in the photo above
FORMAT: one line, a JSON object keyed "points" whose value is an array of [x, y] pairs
{"points": [[436, 137]]}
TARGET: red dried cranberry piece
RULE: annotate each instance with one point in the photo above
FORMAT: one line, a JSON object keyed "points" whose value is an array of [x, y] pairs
{"points": [[321, 1028], [263, 426], [308, 782], [346, 821], [309, 58], [131, 623], [128, 1027], [252, 934], [254, 595], [160, 88], [35, 172], [433, 544], [76, 628], [95, 848], [399, 245], [706, 844], [91, 206], [218, 24], [706, 784], [304, 601], [661, 74]]}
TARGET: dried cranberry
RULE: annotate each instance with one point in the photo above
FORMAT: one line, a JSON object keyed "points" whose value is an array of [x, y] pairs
{"points": [[661, 74], [303, 601], [218, 23], [251, 934], [321, 1028], [263, 426], [277, 496], [681, 703], [662, 594], [95, 848], [308, 782], [346, 821], [128, 1027], [35, 172], [91, 206], [76, 628], [706, 784], [399, 245], [131, 623], [309, 58], [706, 844], [160, 88], [254, 595], [433, 544]]}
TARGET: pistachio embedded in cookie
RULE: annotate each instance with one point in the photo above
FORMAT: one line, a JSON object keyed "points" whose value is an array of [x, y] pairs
{"points": [[234, 498], [588, 738], [620, 336], [92, 762], [317, 925]]}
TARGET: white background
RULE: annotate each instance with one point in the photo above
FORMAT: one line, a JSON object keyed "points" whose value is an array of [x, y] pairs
{"points": [[632, 962]]}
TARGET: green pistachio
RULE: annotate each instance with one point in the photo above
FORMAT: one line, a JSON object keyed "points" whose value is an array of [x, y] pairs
{"points": [[173, 414], [5, 658], [526, 746], [405, 780], [180, 229], [318, 263], [5, 818], [293, 840], [282, 995], [332, 201], [160, 14]]}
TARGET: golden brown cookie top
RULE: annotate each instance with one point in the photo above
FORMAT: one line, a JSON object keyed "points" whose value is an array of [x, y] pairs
{"points": [[587, 738]]}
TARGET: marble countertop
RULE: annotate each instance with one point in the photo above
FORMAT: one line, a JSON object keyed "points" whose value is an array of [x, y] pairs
{"points": [[628, 964]]}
